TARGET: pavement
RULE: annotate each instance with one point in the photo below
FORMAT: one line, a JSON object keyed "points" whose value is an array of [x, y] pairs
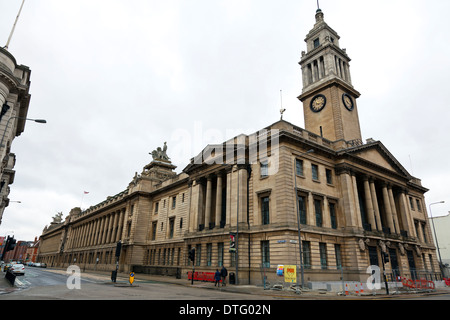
{"points": [[285, 293]]}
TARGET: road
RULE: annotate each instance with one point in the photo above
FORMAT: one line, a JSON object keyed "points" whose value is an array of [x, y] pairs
{"points": [[39, 283]]}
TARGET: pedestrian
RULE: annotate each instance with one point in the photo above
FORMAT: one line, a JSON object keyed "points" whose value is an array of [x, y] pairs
{"points": [[217, 278], [224, 273]]}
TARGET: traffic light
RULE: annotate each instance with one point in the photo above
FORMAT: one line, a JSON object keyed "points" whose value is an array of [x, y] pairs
{"points": [[118, 248], [10, 244], [191, 254]]}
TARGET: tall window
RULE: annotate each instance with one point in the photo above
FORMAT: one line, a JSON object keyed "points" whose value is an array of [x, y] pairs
{"points": [[315, 171], [299, 167], [302, 209], [323, 255], [154, 227], [220, 254], [265, 253], [419, 207], [306, 248], [316, 43], [174, 202], [329, 176], [171, 227], [156, 207], [318, 210], [198, 254], [333, 215], [337, 251], [264, 169], [265, 210]]}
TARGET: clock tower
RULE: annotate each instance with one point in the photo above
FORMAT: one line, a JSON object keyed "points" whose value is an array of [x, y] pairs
{"points": [[328, 96]]}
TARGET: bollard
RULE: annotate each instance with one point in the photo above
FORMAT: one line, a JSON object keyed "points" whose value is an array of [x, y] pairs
{"points": [[11, 277]]}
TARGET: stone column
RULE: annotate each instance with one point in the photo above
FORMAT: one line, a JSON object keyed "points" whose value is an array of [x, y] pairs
{"points": [[208, 202], [387, 209], [403, 214], [375, 205], [120, 226], [420, 231], [105, 229], [123, 230], [77, 241], [229, 199], [394, 210], [369, 204], [109, 229], [219, 200], [356, 199], [348, 199], [83, 235], [97, 231], [88, 233], [115, 229], [243, 195], [100, 231]]}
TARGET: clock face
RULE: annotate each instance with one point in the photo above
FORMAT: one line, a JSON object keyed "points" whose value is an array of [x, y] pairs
{"points": [[348, 102], [318, 103]]}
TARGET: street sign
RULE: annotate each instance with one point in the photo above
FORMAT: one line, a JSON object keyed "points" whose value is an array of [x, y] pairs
{"points": [[131, 278]]}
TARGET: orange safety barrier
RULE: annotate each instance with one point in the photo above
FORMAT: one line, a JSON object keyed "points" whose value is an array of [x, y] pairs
{"points": [[202, 276], [418, 284], [447, 281]]}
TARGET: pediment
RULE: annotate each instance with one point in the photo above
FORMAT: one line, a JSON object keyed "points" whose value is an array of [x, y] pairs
{"points": [[377, 154]]}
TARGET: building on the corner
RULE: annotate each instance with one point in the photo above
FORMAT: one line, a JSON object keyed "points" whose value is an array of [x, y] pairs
{"points": [[32, 251], [14, 103], [352, 200], [439, 228]]}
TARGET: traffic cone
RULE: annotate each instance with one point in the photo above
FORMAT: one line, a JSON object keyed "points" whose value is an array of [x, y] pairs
{"points": [[346, 290], [356, 289]]}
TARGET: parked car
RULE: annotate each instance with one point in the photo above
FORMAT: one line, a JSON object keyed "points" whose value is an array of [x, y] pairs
{"points": [[18, 269], [43, 265], [37, 264]]}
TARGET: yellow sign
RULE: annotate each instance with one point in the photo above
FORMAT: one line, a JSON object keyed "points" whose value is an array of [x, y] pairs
{"points": [[290, 274], [131, 278]]}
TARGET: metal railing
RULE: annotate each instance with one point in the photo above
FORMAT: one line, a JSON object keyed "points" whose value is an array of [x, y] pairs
{"points": [[341, 279]]}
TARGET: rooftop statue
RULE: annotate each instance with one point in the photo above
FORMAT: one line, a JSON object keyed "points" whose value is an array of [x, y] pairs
{"points": [[57, 218], [159, 154]]}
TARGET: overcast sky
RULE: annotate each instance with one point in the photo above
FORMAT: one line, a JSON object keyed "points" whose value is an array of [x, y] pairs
{"points": [[115, 79]]}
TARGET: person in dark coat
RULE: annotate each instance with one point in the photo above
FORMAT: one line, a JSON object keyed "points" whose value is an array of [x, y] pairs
{"points": [[217, 277], [224, 274]]}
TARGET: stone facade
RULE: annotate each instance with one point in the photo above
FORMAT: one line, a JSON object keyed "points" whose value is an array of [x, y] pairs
{"points": [[14, 102], [350, 200]]}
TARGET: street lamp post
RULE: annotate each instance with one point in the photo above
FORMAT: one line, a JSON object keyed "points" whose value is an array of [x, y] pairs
{"points": [[435, 235], [22, 118], [298, 218]]}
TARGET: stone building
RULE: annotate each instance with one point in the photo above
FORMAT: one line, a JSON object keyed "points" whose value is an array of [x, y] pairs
{"points": [[351, 199], [14, 102]]}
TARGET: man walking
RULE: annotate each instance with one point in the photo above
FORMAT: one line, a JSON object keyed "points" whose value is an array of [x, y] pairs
{"points": [[217, 278], [224, 274]]}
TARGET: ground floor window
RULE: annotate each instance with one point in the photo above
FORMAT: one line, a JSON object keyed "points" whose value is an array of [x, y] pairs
{"points": [[265, 253]]}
